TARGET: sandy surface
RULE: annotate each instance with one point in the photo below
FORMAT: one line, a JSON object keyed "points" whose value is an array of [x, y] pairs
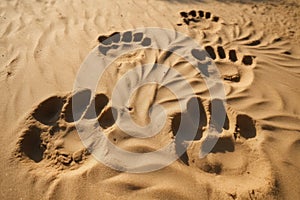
{"points": [[253, 44]]}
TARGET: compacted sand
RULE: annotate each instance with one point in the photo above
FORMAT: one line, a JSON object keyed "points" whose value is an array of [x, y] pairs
{"points": [[253, 44]]}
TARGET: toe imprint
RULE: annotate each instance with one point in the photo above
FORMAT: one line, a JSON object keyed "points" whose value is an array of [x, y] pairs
{"points": [[232, 55], [108, 118], [48, 111], [118, 40], [216, 118], [221, 52], [194, 16], [207, 15], [81, 99], [31, 144], [245, 126], [127, 36], [211, 52], [97, 105], [247, 60]]}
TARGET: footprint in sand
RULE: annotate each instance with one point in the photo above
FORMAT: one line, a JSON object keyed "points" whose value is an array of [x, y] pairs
{"points": [[50, 138], [231, 62], [228, 62], [120, 40], [238, 48], [197, 16], [229, 154]]}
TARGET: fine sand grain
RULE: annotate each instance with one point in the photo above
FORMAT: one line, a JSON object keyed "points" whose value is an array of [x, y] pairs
{"points": [[253, 44]]}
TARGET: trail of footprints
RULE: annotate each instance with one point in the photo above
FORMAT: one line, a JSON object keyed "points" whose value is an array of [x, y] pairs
{"points": [[52, 140], [236, 129], [51, 137], [120, 40]]}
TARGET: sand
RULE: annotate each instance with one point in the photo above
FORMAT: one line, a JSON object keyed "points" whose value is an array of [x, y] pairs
{"points": [[254, 45]]}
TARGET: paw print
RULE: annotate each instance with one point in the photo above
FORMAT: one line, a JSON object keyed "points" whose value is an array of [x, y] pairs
{"points": [[227, 62], [197, 16], [229, 139], [118, 40], [233, 56], [51, 138], [219, 54], [222, 153]]}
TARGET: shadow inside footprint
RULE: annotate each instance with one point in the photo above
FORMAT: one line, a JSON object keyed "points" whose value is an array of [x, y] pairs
{"points": [[198, 54], [146, 42], [223, 145], [115, 37], [201, 55], [193, 13], [185, 124], [137, 37], [217, 115], [215, 19], [211, 52], [97, 105], [203, 67], [189, 121], [48, 111], [31, 144], [104, 49], [247, 60], [232, 55], [108, 40], [201, 13], [103, 39], [183, 14], [108, 118], [127, 37], [77, 105], [214, 144], [246, 126], [215, 168], [207, 15], [221, 52]]}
